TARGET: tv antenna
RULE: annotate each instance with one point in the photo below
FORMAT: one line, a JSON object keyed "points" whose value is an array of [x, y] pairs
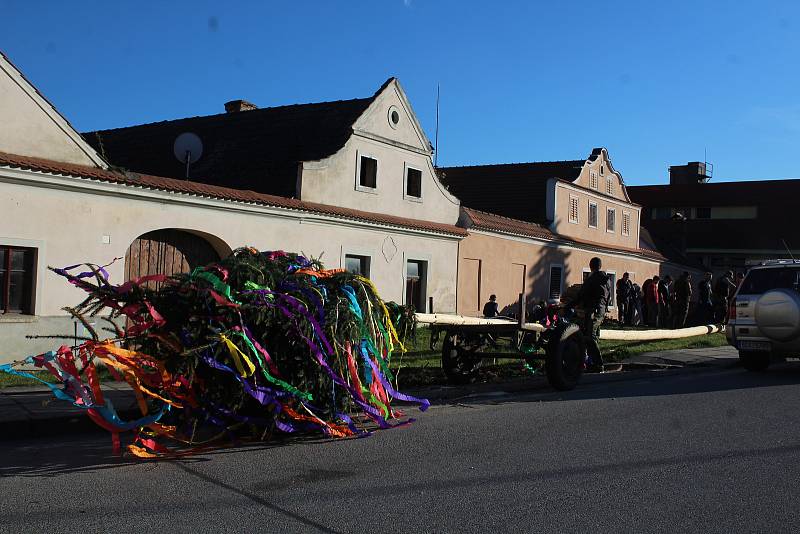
{"points": [[436, 139], [187, 148]]}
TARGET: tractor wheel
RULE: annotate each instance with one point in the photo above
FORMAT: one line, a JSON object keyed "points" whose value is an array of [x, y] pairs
{"points": [[565, 357]]}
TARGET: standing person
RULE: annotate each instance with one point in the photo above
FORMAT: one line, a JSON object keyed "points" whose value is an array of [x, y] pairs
{"points": [[635, 304], [664, 301], [723, 291], [624, 287], [651, 301], [490, 308], [594, 297], [683, 296], [705, 306], [645, 290]]}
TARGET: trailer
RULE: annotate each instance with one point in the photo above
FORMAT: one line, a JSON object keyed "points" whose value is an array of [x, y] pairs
{"points": [[553, 340], [467, 341]]}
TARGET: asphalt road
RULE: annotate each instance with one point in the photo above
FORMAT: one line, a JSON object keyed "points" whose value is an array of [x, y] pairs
{"points": [[698, 451]]}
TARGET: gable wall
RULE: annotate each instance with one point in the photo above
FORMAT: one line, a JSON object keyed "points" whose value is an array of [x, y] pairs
{"points": [[335, 180], [28, 126]]}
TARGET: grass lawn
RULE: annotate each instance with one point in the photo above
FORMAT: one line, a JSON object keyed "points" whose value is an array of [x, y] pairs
{"points": [[421, 366]]}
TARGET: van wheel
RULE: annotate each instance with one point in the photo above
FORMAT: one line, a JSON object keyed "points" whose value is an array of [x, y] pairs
{"points": [[754, 361]]}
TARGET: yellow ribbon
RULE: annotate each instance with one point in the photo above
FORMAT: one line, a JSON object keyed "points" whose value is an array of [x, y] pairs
{"points": [[239, 356]]}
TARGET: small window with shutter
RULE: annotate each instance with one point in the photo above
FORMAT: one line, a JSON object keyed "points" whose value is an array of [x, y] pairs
{"points": [[592, 215], [573, 209], [626, 223], [556, 272]]}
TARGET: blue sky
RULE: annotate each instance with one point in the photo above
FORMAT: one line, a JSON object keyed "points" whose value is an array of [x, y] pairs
{"points": [[656, 83]]}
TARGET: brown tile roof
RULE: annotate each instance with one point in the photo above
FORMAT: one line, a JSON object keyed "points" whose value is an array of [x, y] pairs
{"points": [[515, 190], [497, 223], [258, 149], [222, 193]]}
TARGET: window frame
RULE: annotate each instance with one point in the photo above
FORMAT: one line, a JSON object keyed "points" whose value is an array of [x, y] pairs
{"points": [[573, 199], [613, 229], [609, 186], [594, 182], [424, 278], [29, 281], [560, 266], [365, 258], [406, 196], [623, 230], [364, 188], [596, 213]]}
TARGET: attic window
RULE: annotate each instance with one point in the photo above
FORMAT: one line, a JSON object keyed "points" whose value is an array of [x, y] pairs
{"points": [[368, 172], [602, 170], [394, 116], [609, 186], [593, 180]]}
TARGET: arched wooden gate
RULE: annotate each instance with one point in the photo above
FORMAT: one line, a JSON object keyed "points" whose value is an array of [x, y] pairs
{"points": [[167, 252]]}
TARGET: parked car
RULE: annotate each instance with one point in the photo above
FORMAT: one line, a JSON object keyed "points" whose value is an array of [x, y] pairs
{"points": [[764, 315]]}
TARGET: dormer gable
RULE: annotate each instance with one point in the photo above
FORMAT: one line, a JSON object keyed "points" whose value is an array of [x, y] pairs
{"points": [[599, 175], [33, 127]]}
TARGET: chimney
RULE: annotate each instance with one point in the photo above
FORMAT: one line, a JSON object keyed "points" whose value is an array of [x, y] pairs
{"points": [[234, 106], [694, 172]]}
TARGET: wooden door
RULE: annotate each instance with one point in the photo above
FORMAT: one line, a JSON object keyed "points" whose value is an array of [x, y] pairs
{"points": [[167, 252]]}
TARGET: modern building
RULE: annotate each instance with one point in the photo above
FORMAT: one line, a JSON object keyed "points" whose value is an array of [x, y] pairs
{"points": [[721, 225], [533, 227]]}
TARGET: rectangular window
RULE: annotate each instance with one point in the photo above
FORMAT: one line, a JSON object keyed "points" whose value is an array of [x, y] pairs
{"points": [[593, 180], [626, 223], [609, 186], [661, 212], [611, 220], [16, 279], [416, 277], [368, 172], [555, 281], [573, 209], [413, 183], [703, 213], [592, 215], [357, 264], [586, 274]]}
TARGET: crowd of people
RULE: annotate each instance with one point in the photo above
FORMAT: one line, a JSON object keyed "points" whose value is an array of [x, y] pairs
{"points": [[666, 303]]}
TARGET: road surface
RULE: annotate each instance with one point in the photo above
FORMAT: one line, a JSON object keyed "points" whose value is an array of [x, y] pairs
{"points": [[715, 450]]}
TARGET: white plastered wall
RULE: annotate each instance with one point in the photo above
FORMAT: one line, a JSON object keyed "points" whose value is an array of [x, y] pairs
{"points": [[67, 219], [334, 180]]}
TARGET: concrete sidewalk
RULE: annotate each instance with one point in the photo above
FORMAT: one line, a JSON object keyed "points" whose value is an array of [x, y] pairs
{"points": [[27, 412], [725, 355]]}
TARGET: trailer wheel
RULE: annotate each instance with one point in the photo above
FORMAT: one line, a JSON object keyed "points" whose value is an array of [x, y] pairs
{"points": [[460, 360], [564, 359]]}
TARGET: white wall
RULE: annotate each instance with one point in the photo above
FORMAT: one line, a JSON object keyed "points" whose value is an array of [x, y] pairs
{"points": [[334, 180], [66, 219], [30, 126]]}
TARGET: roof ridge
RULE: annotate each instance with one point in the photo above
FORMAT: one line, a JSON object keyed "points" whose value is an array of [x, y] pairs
{"points": [[368, 99], [510, 164]]}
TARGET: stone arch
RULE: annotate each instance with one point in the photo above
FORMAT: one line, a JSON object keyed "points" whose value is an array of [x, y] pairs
{"points": [[171, 251]]}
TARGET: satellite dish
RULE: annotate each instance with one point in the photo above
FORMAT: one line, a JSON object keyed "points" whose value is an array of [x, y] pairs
{"points": [[187, 148]]}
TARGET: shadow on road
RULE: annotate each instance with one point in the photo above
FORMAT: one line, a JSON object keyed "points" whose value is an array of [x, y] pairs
{"points": [[647, 384], [50, 457]]}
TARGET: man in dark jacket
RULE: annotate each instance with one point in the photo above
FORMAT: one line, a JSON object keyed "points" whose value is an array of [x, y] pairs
{"points": [[683, 295], [490, 308], [594, 297], [624, 290]]}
